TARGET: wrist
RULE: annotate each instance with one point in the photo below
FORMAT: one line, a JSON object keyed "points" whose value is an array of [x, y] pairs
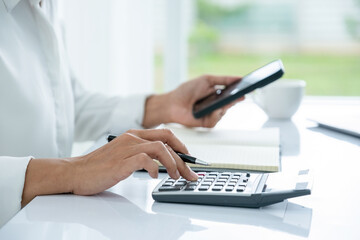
{"points": [[157, 110], [47, 176]]}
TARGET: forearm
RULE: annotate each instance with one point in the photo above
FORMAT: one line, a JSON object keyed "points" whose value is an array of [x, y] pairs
{"points": [[157, 110], [107, 165], [47, 176]]}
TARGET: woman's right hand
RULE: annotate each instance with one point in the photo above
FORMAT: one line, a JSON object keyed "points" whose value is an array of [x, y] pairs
{"points": [[131, 151], [108, 165]]}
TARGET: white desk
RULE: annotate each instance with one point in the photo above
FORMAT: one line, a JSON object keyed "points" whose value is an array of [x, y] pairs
{"points": [[127, 211]]}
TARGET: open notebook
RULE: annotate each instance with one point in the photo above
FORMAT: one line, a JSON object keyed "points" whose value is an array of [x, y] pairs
{"points": [[232, 150]]}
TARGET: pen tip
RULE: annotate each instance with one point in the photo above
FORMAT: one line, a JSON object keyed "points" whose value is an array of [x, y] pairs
{"points": [[201, 162]]}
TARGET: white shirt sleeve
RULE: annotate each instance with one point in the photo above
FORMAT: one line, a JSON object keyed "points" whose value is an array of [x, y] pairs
{"points": [[12, 178], [97, 114]]}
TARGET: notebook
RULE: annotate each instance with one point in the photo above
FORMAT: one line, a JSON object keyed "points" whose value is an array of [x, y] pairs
{"points": [[340, 115], [348, 125], [232, 150]]}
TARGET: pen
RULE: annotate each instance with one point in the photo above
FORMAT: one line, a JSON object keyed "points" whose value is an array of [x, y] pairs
{"points": [[184, 157]]}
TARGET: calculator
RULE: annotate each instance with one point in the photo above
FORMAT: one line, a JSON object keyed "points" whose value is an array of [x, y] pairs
{"points": [[239, 189]]}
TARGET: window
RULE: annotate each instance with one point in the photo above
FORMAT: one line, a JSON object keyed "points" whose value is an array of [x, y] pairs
{"points": [[318, 41]]}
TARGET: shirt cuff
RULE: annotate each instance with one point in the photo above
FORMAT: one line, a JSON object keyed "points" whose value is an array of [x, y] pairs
{"points": [[12, 178], [129, 115]]}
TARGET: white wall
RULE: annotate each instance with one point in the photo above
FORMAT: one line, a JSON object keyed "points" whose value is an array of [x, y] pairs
{"points": [[110, 44]]}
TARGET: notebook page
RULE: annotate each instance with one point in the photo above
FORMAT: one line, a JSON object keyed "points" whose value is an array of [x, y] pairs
{"points": [[237, 157], [262, 137]]}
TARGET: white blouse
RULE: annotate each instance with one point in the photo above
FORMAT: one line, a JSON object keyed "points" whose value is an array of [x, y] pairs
{"points": [[42, 107]]}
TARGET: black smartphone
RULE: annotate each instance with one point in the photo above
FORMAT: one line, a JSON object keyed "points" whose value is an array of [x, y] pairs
{"points": [[256, 79]]}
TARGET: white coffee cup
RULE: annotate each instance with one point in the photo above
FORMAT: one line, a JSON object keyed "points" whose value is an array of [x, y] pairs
{"points": [[280, 99]]}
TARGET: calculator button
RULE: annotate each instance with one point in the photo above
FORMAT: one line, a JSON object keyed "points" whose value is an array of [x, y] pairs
{"points": [[167, 184], [205, 184], [233, 180], [203, 188], [231, 184], [217, 188], [193, 183], [224, 177], [180, 183], [169, 188], [245, 180], [170, 181], [235, 177], [240, 189], [221, 180], [225, 174], [213, 174], [208, 183], [247, 174], [219, 184], [209, 180], [190, 188], [229, 189]]}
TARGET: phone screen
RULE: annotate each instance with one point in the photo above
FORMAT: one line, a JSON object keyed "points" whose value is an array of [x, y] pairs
{"points": [[247, 82]]}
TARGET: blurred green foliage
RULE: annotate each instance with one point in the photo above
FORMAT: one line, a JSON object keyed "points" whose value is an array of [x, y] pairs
{"points": [[205, 36], [210, 12], [203, 40], [325, 75]]}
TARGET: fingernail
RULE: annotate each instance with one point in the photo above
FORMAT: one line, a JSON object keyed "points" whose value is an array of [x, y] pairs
{"points": [[177, 174], [194, 175]]}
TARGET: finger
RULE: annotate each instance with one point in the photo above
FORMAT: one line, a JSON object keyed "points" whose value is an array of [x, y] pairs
{"points": [[211, 120], [128, 137], [183, 168], [138, 162], [164, 135], [158, 150], [131, 141], [213, 81], [221, 80]]}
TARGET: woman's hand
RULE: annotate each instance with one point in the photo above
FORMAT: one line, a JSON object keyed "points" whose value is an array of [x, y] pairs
{"points": [[134, 150], [176, 106], [106, 166]]}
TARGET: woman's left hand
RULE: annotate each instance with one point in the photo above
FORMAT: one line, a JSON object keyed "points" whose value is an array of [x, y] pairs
{"points": [[177, 105]]}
